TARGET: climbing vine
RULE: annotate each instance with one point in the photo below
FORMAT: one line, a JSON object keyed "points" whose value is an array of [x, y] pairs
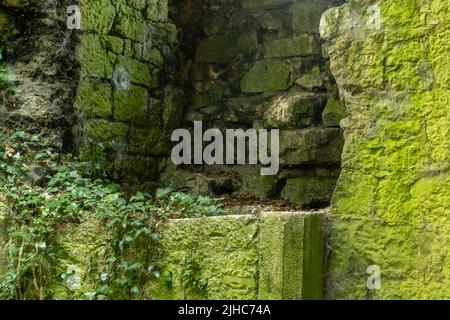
{"points": [[42, 192]]}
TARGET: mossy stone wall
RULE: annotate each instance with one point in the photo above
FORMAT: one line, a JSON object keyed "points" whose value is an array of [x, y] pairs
{"points": [[127, 98], [392, 203], [258, 64]]}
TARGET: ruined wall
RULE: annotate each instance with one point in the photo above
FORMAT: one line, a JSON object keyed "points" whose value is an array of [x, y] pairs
{"points": [[392, 203], [258, 64], [127, 96]]}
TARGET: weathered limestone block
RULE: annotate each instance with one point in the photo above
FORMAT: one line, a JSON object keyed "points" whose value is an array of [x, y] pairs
{"points": [[254, 184], [306, 15], [391, 205], [105, 131], [313, 145], [291, 251], [131, 25], [311, 80], [286, 254], [224, 48], [81, 248], [130, 105], [138, 72], [94, 99], [94, 59], [97, 15], [293, 111], [157, 10], [225, 248], [267, 75], [309, 190], [303, 45]]}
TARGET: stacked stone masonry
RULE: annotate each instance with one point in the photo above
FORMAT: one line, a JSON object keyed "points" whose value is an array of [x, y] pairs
{"points": [[127, 98], [258, 64]]}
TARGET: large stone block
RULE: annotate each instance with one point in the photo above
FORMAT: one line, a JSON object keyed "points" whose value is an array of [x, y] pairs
{"points": [[94, 59], [314, 145], [94, 99], [131, 105], [105, 131], [131, 25], [290, 47], [138, 72], [291, 251], [225, 249], [296, 110], [309, 190], [97, 15], [267, 75], [390, 208]]}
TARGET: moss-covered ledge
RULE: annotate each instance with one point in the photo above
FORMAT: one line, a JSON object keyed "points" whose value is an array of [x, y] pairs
{"points": [[273, 255]]}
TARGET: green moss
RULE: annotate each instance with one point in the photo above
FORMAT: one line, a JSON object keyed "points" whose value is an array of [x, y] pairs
{"points": [[113, 44], [138, 72], [94, 99], [390, 203], [291, 256], [105, 131], [97, 15], [131, 105], [131, 25], [267, 75], [333, 113], [290, 47], [309, 190], [94, 59]]}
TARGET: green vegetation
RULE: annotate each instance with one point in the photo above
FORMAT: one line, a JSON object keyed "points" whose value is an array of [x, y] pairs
{"points": [[43, 191]]}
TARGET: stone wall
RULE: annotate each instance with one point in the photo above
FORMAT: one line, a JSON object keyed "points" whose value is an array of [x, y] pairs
{"points": [[265, 256], [258, 64], [392, 203], [127, 98]]}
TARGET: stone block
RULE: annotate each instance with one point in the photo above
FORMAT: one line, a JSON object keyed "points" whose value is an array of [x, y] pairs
{"points": [[314, 145], [94, 59], [105, 131], [291, 250], [309, 190], [266, 75], [306, 15], [138, 72], [94, 99], [97, 16], [303, 45], [131, 105]]}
